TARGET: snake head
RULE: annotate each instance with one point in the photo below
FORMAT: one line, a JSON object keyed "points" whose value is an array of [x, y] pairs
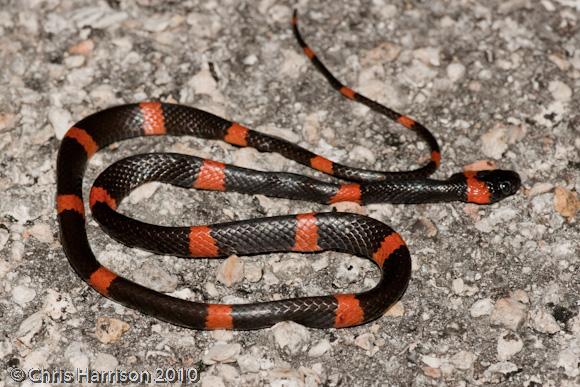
{"points": [[486, 187]]}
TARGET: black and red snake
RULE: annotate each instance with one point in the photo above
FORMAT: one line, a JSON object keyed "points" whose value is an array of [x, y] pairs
{"points": [[314, 232]]}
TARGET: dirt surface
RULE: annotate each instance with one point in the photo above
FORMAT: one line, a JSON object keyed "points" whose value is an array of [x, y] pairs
{"points": [[494, 297]]}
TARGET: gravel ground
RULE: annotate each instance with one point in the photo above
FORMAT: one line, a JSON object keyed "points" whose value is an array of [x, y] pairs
{"points": [[494, 294]]}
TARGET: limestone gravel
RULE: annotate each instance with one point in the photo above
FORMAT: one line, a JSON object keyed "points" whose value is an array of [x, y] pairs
{"points": [[494, 294]]}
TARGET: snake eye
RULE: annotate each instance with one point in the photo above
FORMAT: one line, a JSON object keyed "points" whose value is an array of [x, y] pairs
{"points": [[505, 188]]}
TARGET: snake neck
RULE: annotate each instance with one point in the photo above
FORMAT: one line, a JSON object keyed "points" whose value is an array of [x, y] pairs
{"points": [[414, 191]]}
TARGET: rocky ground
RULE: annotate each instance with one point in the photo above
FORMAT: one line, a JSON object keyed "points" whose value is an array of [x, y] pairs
{"points": [[494, 294]]}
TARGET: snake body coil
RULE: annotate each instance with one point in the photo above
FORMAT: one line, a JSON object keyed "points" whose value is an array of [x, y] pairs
{"points": [[350, 233]]}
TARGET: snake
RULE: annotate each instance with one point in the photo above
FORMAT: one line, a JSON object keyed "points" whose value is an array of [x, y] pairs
{"points": [[350, 233]]}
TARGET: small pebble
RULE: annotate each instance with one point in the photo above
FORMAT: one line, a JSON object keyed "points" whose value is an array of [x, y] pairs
{"points": [[4, 236], [543, 321], [104, 362], [57, 305], [42, 232], [222, 353], [481, 165], [365, 341], [494, 142], [83, 47], [230, 271], [509, 313], [463, 360], [428, 55], [61, 120], [22, 295], [311, 128], [482, 307], [30, 327], [455, 71], [539, 188], [397, 310], [156, 278], [560, 91], [248, 363], [290, 336], [566, 203], [109, 330], [252, 271], [508, 344], [77, 355], [320, 348]]}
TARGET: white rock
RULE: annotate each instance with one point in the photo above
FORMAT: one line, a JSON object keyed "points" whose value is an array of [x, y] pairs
{"points": [[431, 361], [360, 152], [76, 354], [156, 278], [508, 344], [540, 188], [293, 62], [222, 353], [103, 95], [351, 207], [463, 360], [5, 348], [384, 52], [397, 310], [290, 336], [22, 294], [42, 232], [252, 271], [569, 358], [494, 142], [320, 263], [98, 17], [290, 268], [560, 91], [143, 192], [38, 358], [212, 381], [248, 363], [61, 120], [204, 83], [544, 322], [230, 271], [498, 216], [428, 55], [509, 313], [30, 327], [347, 272], [574, 324], [211, 290], [246, 158], [4, 236], [227, 372], [455, 71], [104, 362], [457, 286], [222, 335], [320, 348], [156, 24], [521, 296], [275, 131], [419, 73], [504, 367], [57, 305], [250, 60], [365, 341], [311, 128], [74, 61]]}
